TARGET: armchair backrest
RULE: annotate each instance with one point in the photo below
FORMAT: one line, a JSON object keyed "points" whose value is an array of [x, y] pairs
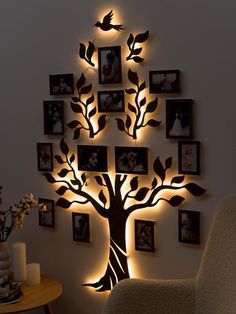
{"points": [[216, 279]]}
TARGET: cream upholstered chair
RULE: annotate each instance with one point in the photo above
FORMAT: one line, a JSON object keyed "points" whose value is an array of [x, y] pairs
{"points": [[212, 291]]}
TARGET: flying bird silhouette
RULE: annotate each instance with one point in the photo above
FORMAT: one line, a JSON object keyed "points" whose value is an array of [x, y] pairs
{"points": [[106, 23]]}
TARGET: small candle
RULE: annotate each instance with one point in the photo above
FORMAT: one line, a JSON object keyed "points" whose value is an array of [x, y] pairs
{"points": [[33, 274], [19, 261]]}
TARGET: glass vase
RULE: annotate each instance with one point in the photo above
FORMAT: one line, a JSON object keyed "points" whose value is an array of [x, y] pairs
{"points": [[5, 263]]}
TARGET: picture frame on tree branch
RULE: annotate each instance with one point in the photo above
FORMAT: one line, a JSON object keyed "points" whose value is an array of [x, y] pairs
{"points": [[92, 158], [132, 160], [189, 157], [111, 101], [81, 229], [189, 226], [144, 235], [47, 218], [164, 82], [53, 117], [45, 156], [61, 84]]}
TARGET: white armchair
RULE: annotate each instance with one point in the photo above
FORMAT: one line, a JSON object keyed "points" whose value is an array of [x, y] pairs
{"points": [[212, 291]]}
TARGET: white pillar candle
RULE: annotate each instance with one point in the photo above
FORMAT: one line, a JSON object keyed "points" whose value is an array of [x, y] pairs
{"points": [[19, 261], [33, 274]]}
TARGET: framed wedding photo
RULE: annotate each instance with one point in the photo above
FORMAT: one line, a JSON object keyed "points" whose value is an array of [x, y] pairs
{"points": [[111, 101], [189, 157], [144, 235], [45, 156], [61, 84], [109, 65], [81, 230], [132, 160], [164, 82], [189, 226], [92, 158], [47, 218], [179, 118], [53, 117]]}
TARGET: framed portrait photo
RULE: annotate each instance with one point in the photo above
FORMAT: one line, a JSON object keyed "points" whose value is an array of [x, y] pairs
{"points": [[189, 226], [81, 230], [53, 117], [132, 160], [111, 101], [179, 118], [61, 84], [164, 82], [109, 65], [144, 235], [47, 218], [189, 157], [92, 158], [45, 156]]}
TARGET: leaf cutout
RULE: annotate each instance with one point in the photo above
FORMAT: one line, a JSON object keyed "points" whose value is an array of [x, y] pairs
{"points": [[72, 158], [83, 177], [120, 124], [86, 89], [76, 108], [49, 177], [64, 148], [128, 122], [154, 183], [101, 122], [194, 189], [168, 162], [92, 112], [159, 169], [59, 159], [142, 86], [62, 190], [75, 99], [63, 172], [76, 134], [130, 40], [137, 51], [141, 194], [176, 200], [99, 180], [133, 77], [134, 184], [82, 50], [74, 182], [73, 124], [62, 202], [132, 108], [153, 123], [80, 81], [143, 102], [140, 38], [177, 180], [90, 100], [130, 91], [137, 59], [102, 197], [152, 106], [90, 50]]}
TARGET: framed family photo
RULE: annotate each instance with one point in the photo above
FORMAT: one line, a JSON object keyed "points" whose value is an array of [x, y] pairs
{"points": [[92, 158], [111, 101], [189, 157], [144, 235], [61, 84], [164, 81], [45, 156], [132, 160], [189, 226], [179, 118], [53, 117], [81, 230], [109, 65], [47, 218]]}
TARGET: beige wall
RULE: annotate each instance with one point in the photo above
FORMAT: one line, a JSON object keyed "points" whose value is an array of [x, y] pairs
{"points": [[39, 38]]}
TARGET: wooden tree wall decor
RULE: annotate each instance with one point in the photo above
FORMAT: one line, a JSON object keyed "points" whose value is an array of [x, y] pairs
{"points": [[139, 109], [114, 206], [81, 106], [87, 54], [134, 51]]}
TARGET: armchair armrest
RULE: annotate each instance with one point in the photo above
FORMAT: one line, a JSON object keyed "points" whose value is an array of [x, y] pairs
{"points": [[140, 296]]}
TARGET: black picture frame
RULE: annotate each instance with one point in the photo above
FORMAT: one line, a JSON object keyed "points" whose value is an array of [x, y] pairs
{"points": [[111, 101], [61, 84], [164, 82], [45, 156], [92, 158], [132, 160], [179, 122], [189, 226], [47, 218], [53, 117], [109, 65], [189, 157], [81, 229], [144, 235]]}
